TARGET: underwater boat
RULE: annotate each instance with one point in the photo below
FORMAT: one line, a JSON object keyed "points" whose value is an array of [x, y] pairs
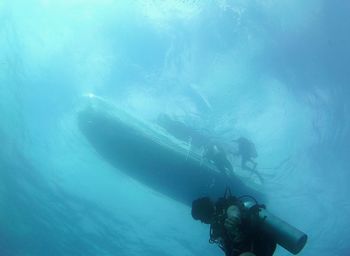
{"points": [[149, 154]]}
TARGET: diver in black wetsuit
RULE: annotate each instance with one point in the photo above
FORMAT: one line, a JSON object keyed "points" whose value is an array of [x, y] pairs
{"points": [[215, 153], [233, 227], [247, 151], [242, 227]]}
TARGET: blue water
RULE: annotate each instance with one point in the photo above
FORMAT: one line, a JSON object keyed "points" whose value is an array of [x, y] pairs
{"points": [[276, 71]]}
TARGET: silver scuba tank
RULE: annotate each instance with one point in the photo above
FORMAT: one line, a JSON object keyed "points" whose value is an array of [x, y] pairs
{"points": [[287, 236]]}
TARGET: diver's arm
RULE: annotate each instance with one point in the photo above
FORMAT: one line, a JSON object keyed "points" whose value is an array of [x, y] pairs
{"points": [[233, 215], [232, 223]]}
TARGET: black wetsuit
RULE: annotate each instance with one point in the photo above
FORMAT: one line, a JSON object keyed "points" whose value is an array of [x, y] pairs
{"points": [[253, 239]]}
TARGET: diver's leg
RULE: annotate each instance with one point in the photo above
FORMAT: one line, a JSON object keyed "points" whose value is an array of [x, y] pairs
{"points": [[244, 163], [253, 163], [253, 170]]}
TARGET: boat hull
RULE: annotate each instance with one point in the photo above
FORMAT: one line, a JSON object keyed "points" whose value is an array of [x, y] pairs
{"points": [[152, 158]]}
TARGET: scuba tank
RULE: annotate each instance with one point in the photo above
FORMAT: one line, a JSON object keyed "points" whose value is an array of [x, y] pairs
{"points": [[287, 236]]}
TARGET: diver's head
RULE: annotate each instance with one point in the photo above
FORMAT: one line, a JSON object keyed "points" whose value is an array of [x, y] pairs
{"points": [[203, 209]]}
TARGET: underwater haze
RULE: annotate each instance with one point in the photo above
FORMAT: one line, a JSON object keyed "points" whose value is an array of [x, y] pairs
{"points": [[275, 71]]}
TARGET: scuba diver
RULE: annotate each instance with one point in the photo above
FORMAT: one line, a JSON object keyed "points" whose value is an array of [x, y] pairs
{"points": [[247, 151], [216, 154], [242, 227]]}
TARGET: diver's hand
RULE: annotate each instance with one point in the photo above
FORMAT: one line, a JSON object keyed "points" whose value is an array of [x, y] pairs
{"points": [[232, 223], [233, 230], [233, 214]]}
